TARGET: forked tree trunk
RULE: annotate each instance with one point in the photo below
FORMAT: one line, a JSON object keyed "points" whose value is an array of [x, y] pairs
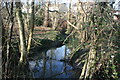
{"points": [[23, 49], [31, 28]]}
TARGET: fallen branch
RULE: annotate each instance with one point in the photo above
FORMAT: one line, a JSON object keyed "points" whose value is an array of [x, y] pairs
{"points": [[72, 25]]}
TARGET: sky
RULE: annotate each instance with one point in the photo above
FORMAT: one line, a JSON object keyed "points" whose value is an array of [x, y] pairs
{"points": [[67, 1], [60, 1]]}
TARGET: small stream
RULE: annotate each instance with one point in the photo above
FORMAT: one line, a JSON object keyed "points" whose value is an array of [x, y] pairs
{"points": [[50, 64]]}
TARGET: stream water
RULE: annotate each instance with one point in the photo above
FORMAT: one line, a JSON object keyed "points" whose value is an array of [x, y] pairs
{"points": [[50, 64]]}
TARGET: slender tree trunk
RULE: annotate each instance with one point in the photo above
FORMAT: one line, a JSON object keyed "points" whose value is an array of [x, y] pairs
{"points": [[23, 49], [27, 18], [89, 66], [1, 26], [46, 20], [9, 37], [55, 22], [69, 17], [31, 28], [27, 22], [3, 44]]}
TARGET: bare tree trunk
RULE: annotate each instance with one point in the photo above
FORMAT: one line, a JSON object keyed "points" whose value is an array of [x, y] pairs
{"points": [[9, 37], [55, 22], [0, 44], [46, 20], [3, 44], [69, 17], [23, 49], [27, 23], [27, 17], [31, 28], [89, 65]]}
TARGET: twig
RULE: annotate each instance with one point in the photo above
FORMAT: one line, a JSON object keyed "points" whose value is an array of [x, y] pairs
{"points": [[67, 37], [36, 41]]}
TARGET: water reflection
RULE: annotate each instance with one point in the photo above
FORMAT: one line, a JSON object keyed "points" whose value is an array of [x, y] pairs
{"points": [[59, 53], [50, 66]]}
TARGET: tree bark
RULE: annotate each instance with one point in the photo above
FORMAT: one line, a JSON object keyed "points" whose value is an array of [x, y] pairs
{"points": [[9, 37], [1, 26], [31, 28], [3, 44], [46, 20], [23, 49], [89, 66], [27, 20], [69, 17], [55, 22]]}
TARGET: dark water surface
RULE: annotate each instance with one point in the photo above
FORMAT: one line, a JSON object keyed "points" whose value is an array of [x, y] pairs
{"points": [[50, 64]]}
